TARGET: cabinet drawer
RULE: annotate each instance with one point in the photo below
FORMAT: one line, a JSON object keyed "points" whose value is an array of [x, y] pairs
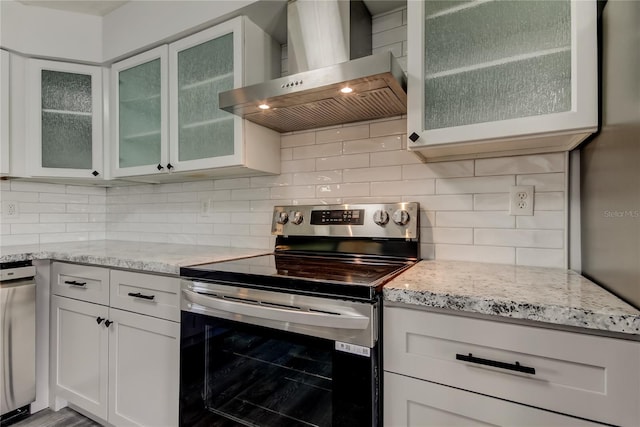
{"points": [[81, 282], [581, 375], [149, 294], [409, 402]]}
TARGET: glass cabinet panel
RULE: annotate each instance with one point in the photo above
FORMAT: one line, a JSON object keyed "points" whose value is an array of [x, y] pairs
{"points": [[140, 115], [66, 138], [499, 60], [204, 70]]}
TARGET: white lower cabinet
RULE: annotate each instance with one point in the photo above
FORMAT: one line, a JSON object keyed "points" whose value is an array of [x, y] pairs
{"points": [[410, 402], [484, 364], [80, 353], [144, 357], [117, 365]]}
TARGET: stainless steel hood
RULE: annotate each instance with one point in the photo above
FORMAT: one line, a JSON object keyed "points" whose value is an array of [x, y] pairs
{"points": [[326, 36]]}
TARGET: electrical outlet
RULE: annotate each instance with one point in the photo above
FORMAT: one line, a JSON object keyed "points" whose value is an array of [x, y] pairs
{"points": [[521, 200], [206, 206], [10, 209]]}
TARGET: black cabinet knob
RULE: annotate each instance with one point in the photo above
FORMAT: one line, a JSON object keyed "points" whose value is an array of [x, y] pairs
{"points": [[160, 167], [414, 137], [108, 323], [95, 173], [169, 166], [99, 320]]}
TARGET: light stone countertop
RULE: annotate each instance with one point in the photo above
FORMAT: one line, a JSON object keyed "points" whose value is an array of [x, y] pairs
{"points": [[556, 296], [144, 256]]}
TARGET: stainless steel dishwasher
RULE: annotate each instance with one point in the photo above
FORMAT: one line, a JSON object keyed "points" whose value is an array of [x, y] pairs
{"points": [[17, 340]]}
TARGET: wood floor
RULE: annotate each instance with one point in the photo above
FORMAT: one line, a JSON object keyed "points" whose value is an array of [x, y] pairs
{"points": [[63, 418]]}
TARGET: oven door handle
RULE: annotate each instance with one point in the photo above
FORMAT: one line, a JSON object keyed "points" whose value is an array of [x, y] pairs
{"points": [[343, 319]]}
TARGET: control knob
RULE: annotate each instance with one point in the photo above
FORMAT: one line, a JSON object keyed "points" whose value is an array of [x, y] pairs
{"points": [[282, 218], [297, 218], [401, 217], [380, 217]]}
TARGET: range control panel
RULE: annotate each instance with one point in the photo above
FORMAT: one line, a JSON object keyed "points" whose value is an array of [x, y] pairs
{"points": [[337, 216], [376, 220]]}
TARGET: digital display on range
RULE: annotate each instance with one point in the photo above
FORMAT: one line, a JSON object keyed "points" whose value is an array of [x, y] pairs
{"points": [[338, 217]]}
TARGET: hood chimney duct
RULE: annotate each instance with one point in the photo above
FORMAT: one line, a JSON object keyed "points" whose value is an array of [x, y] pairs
{"points": [[328, 32]]}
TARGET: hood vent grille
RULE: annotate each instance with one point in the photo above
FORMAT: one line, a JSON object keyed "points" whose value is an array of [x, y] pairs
{"points": [[326, 112], [377, 81]]}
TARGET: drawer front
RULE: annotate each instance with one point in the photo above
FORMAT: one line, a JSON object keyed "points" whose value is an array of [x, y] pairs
{"points": [[409, 402], [592, 377], [83, 282], [149, 294]]}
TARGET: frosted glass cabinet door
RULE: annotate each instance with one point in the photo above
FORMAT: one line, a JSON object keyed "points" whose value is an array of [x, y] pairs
{"points": [[65, 120], [4, 113], [201, 66], [139, 94], [491, 70]]}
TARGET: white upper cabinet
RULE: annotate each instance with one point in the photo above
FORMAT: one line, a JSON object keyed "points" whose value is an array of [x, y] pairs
{"points": [[140, 104], [64, 120], [4, 113], [491, 78], [202, 66], [152, 99]]}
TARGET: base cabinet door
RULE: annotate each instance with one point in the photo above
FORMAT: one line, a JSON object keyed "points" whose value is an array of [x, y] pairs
{"points": [[144, 356], [409, 402], [80, 356]]}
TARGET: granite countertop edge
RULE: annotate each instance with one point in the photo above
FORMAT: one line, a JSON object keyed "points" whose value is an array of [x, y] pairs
{"points": [[554, 314], [100, 261], [581, 303], [139, 256]]}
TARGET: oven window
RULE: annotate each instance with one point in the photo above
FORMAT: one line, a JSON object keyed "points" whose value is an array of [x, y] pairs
{"points": [[239, 374], [261, 379]]}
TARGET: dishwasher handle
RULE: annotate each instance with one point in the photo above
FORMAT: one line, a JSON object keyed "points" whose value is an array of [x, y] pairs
{"points": [[342, 319]]}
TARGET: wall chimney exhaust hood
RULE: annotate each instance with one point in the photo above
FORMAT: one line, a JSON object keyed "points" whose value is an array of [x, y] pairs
{"points": [[328, 86]]}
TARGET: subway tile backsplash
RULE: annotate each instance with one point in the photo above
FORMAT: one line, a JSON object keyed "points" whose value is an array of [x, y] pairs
{"points": [[464, 204], [49, 213]]}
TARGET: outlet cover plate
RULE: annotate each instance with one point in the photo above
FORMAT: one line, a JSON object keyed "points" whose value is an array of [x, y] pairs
{"points": [[10, 209], [521, 200]]}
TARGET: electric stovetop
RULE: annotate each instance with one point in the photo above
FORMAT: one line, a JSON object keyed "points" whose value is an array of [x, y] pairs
{"points": [[338, 251], [338, 276]]}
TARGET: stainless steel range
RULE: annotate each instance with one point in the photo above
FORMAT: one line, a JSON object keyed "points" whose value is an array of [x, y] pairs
{"points": [[293, 337]]}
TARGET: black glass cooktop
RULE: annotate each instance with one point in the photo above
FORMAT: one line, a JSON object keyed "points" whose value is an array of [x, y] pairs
{"points": [[358, 277]]}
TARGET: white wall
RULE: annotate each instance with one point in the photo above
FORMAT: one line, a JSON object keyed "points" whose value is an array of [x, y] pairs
{"points": [[134, 27], [140, 25], [50, 33]]}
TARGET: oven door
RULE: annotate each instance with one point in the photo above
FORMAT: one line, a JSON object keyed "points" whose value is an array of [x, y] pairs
{"points": [[244, 360]]}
